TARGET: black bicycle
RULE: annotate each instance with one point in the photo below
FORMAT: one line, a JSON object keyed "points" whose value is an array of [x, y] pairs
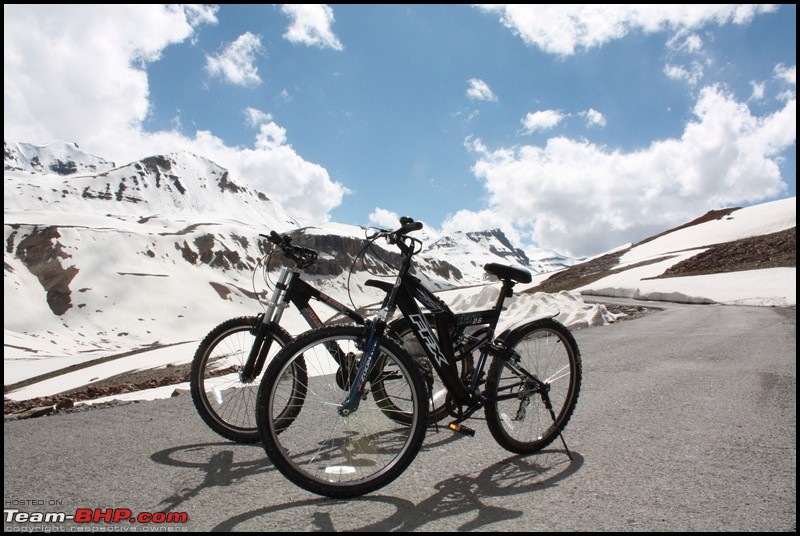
{"points": [[341, 442], [229, 362]]}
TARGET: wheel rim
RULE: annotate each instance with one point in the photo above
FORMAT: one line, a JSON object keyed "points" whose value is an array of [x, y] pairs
{"points": [[324, 447], [524, 419]]}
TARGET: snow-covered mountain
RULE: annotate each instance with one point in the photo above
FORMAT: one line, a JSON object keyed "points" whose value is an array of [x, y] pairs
{"points": [[60, 158], [180, 184], [126, 268], [106, 250]]}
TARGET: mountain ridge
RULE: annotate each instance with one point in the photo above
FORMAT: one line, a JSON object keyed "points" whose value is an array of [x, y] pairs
{"points": [[59, 157], [112, 240], [109, 238], [93, 269]]}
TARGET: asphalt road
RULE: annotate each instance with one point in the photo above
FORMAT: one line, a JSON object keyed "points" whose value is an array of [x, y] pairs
{"points": [[686, 422]]}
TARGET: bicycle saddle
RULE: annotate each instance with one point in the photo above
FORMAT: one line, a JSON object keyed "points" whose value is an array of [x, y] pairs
{"points": [[508, 272]]}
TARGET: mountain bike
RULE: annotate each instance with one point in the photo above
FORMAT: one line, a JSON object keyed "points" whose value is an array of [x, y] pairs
{"points": [[341, 442], [229, 362]]}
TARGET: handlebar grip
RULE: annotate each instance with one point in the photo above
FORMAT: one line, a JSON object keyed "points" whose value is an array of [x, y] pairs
{"points": [[408, 225], [282, 241]]}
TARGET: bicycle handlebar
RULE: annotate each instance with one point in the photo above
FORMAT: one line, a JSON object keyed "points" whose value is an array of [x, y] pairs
{"points": [[303, 257], [407, 225]]}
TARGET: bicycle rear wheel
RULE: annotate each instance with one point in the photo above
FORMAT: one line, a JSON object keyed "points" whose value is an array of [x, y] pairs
{"points": [[437, 392], [224, 402], [517, 416], [325, 452]]}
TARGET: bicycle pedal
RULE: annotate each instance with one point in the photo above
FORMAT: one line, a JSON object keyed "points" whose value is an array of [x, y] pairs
{"points": [[461, 429]]}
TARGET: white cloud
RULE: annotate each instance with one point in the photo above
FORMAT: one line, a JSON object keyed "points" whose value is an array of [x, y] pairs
{"points": [[200, 13], [256, 117], [693, 43], [692, 74], [311, 25], [787, 74], [581, 199], [236, 64], [690, 43], [68, 68], [302, 188], [686, 58], [270, 136], [593, 118], [384, 219], [542, 120], [564, 29], [97, 55], [479, 90], [759, 89]]}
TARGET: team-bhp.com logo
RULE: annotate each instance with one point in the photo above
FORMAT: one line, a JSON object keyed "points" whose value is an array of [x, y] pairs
{"points": [[94, 515]]}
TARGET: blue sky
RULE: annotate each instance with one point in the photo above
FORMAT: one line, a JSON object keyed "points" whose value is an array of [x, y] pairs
{"points": [[573, 128]]}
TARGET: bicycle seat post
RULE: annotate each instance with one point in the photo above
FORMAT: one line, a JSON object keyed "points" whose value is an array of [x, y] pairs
{"points": [[506, 291]]}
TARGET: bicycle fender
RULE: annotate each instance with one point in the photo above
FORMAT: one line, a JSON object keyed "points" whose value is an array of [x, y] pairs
{"points": [[385, 286], [516, 326]]}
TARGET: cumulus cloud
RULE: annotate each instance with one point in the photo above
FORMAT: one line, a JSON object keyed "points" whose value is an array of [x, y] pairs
{"points": [[479, 90], [68, 67], [548, 119], [563, 29], [593, 118], [311, 25], [272, 166], [582, 199], [236, 63], [78, 73], [541, 120], [255, 117], [384, 219]]}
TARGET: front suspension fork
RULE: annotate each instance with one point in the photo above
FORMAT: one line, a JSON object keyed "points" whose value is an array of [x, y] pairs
{"points": [[258, 352], [375, 331]]}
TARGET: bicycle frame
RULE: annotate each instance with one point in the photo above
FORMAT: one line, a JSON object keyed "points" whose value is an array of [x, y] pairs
{"points": [[441, 349], [290, 289], [300, 293], [406, 294]]}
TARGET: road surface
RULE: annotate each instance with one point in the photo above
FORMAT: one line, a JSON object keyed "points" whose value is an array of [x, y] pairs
{"points": [[686, 422]]}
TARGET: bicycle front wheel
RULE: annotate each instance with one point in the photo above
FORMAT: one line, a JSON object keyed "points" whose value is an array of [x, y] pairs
{"points": [[328, 453], [225, 402], [516, 414]]}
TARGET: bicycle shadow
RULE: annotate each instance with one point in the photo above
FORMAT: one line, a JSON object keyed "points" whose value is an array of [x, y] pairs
{"points": [[465, 494], [455, 497], [223, 464], [219, 464]]}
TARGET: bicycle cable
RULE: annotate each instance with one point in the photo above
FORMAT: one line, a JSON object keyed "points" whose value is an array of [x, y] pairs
{"points": [[369, 242], [265, 277]]}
